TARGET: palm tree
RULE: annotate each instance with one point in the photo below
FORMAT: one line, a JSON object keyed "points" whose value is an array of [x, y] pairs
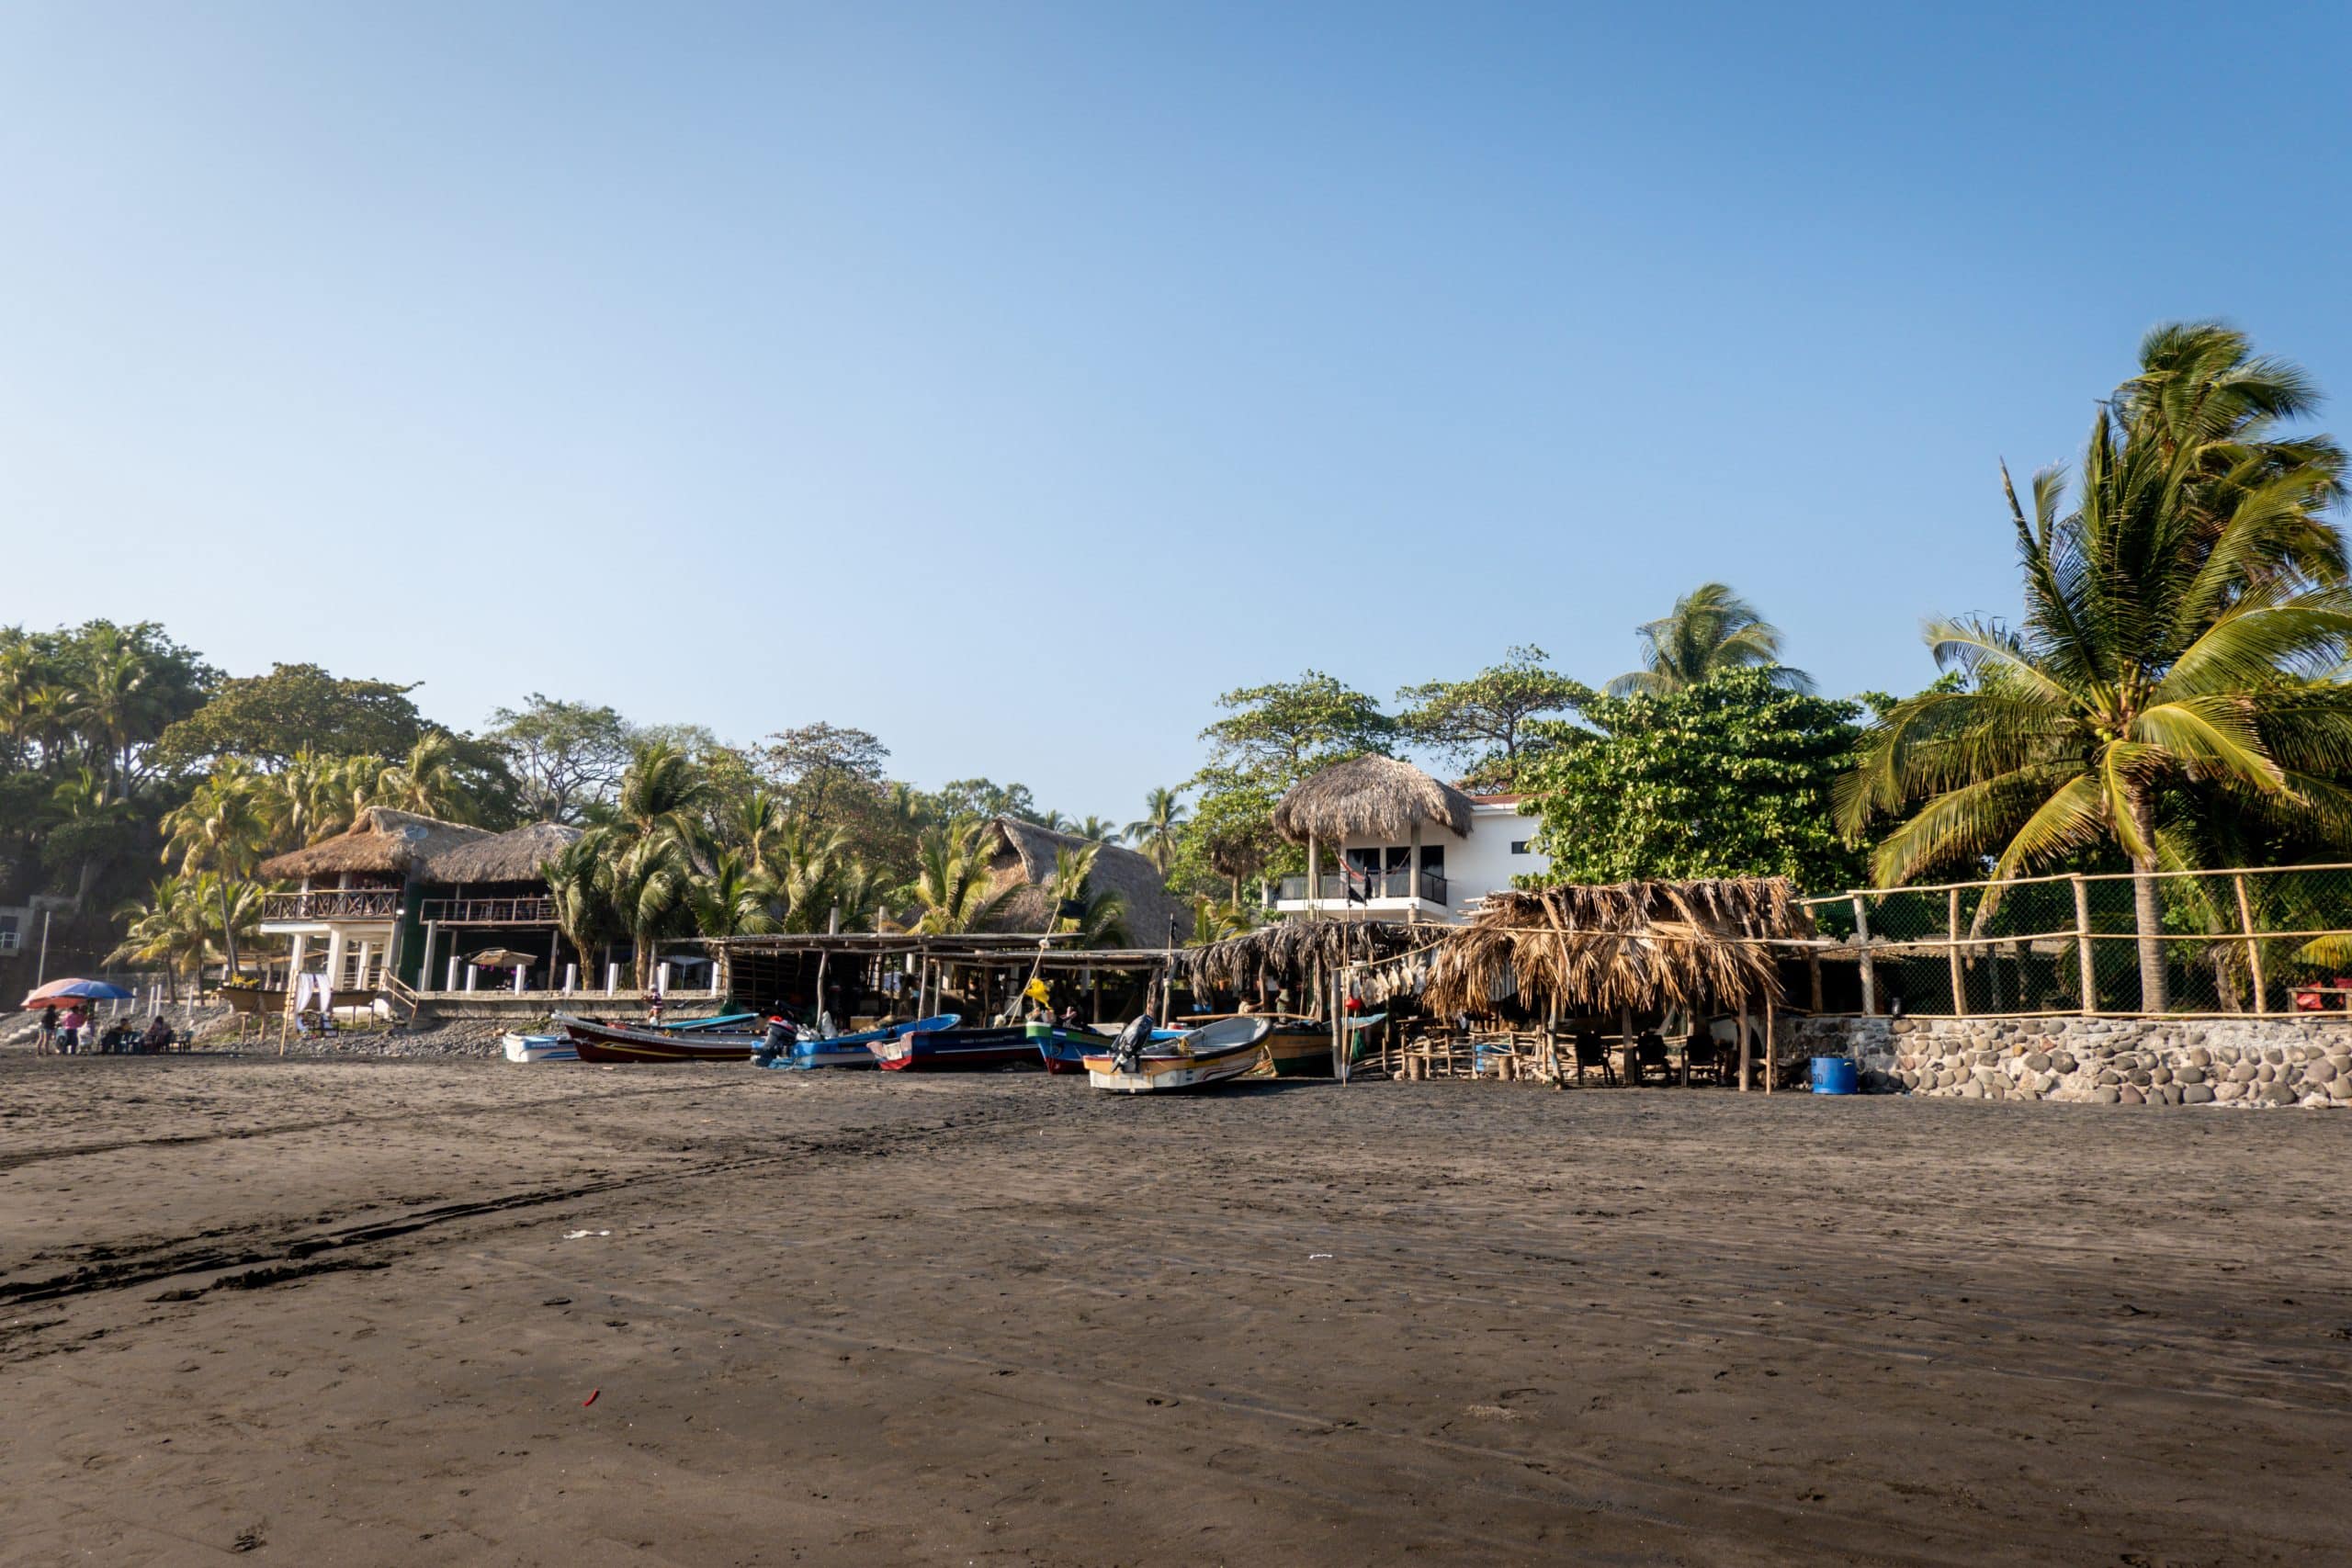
{"points": [[1101, 917], [1155, 833], [2180, 620], [169, 929], [1093, 829], [584, 908], [109, 700], [1711, 629], [752, 822], [953, 884], [732, 898], [647, 854], [1213, 921], [221, 828], [85, 821], [427, 781]]}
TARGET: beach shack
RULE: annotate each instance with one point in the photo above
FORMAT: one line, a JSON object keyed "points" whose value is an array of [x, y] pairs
{"points": [[1386, 842]]}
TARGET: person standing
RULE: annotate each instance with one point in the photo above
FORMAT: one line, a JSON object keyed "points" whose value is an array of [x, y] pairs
{"points": [[69, 1031], [49, 1030]]}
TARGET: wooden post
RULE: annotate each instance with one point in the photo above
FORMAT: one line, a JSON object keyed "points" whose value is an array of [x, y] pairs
{"points": [[1744, 1057], [1959, 976], [1314, 878], [1771, 1047], [2253, 947], [1812, 971], [2083, 945], [1870, 967], [1413, 876], [1629, 1060], [1338, 1016]]}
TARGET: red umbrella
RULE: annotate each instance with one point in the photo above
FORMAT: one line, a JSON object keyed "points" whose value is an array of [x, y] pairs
{"points": [[77, 991]]}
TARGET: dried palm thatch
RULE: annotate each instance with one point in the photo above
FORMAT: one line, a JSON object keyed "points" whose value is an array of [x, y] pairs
{"points": [[1369, 797], [1645, 946], [1022, 869], [1299, 956], [516, 856], [383, 843]]}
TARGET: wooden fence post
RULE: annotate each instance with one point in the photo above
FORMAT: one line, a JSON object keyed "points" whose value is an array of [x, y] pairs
{"points": [[2253, 947], [2083, 945], [1870, 968], [1959, 977]]}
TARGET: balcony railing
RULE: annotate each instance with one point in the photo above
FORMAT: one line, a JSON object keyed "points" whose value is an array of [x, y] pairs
{"points": [[332, 904], [529, 911], [1367, 884]]}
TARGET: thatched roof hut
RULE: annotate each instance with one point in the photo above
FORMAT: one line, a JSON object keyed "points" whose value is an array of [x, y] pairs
{"points": [[1371, 797], [1299, 956], [515, 856], [1023, 863], [1643, 946], [382, 842]]}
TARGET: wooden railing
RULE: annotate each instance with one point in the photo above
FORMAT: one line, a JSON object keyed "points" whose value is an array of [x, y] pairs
{"points": [[332, 904], [525, 911]]}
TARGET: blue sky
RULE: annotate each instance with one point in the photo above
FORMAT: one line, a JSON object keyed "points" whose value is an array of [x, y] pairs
{"points": [[1008, 379]]}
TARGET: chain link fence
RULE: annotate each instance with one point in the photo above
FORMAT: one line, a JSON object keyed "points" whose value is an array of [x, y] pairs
{"points": [[2260, 940]]}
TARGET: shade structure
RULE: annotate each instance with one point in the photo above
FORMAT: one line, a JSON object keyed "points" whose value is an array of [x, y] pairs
{"points": [[77, 991], [503, 958]]}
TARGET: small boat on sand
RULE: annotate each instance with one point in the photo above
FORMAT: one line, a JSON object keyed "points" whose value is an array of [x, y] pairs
{"points": [[1301, 1048], [850, 1050], [960, 1051], [538, 1048], [1066, 1050], [636, 1042], [1210, 1055]]}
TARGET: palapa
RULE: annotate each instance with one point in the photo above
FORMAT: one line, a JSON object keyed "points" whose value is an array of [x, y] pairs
{"points": [[1021, 868], [1299, 956], [1638, 946], [382, 842], [519, 856], [1371, 797]]}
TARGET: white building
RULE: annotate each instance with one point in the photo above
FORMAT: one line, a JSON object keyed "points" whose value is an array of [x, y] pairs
{"points": [[1386, 842]]}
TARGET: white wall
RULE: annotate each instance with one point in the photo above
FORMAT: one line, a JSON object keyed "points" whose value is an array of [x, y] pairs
{"points": [[1480, 862]]}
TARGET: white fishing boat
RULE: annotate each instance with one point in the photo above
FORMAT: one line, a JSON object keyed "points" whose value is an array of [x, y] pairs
{"points": [[538, 1048], [1197, 1059]]}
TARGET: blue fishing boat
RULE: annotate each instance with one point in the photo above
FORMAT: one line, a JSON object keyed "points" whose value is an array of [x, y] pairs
{"points": [[852, 1050]]}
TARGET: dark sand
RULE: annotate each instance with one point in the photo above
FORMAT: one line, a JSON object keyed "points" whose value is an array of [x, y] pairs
{"points": [[327, 1312]]}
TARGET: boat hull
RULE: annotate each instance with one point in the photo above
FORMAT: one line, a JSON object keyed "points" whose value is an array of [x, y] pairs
{"points": [[613, 1043], [961, 1051], [851, 1050], [1299, 1053], [1171, 1074], [538, 1048], [1065, 1050]]}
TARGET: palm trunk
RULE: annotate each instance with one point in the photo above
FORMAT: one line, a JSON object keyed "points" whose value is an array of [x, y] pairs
{"points": [[228, 930], [2147, 912]]}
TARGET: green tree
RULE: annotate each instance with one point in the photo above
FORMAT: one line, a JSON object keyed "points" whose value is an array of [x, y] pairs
{"points": [[1482, 722], [954, 888], [1093, 829], [1153, 833], [565, 757], [645, 855], [732, 898], [1101, 917], [1731, 777], [221, 828], [1288, 728], [268, 718], [816, 764], [1712, 631], [2183, 605]]}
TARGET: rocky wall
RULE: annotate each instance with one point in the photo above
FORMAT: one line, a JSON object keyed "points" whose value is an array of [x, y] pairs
{"points": [[2248, 1062]]}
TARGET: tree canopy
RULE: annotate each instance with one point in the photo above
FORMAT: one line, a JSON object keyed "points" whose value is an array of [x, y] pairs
{"points": [[267, 720], [565, 757], [1481, 722]]}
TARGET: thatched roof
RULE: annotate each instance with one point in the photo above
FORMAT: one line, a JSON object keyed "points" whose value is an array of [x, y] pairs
{"points": [[1297, 955], [1371, 797], [1643, 945], [513, 856], [382, 842], [1024, 864]]}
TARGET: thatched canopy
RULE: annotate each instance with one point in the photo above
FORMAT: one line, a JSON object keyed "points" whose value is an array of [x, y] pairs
{"points": [[1297, 955], [515, 856], [1369, 797], [383, 843], [1643, 945], [1023, 863]]}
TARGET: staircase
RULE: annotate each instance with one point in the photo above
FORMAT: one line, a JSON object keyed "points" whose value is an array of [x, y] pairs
{"points": [[397, 992]]}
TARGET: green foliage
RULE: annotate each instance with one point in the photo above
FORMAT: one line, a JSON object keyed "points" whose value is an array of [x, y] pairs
{"points": [[1482, 722], [1154, 833], [1288, 728], [2185, 615], [1710, 631], [953, 888], [564, 756], [1729, 777], [267, 720]]}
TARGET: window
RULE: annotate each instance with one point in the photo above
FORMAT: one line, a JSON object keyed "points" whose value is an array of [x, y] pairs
{"points": [[1519, 847]]}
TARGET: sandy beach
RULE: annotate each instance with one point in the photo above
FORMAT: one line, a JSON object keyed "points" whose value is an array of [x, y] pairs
{"points": [[459, 1311]]}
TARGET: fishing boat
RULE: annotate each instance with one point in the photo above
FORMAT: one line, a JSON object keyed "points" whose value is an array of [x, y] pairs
{"points": [[635, 1043], [1210, 1055], [960, 1050], [1066, 1050], [538, 1048], [1301, 1048], [850, 1050]]}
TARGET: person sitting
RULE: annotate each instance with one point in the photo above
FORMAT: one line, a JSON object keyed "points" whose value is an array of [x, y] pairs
{"points": [[158, 1038], [116, 1041]]}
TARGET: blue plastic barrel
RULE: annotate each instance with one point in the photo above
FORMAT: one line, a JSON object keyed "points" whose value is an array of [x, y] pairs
{"points": [[1836, 1075]]}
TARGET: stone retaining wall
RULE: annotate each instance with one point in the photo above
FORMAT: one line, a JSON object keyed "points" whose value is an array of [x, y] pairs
{"points": [[2095, 1061]]}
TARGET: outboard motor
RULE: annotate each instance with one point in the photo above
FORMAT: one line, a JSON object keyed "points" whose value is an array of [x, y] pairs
{"points": [[781, 1038], [1128, 1046]]}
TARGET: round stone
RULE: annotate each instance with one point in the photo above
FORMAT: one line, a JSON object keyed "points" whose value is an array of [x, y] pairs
{"points": [[2141, 1077], [2266, 1074], [2230, 1090], [2197, 1094], [2201, 1056], [2320, 1072], [2190, 1075], [2339, 1087], [2160, 1076], [2106, 1096], [2241, 1074], [2127, 1094], [2275, 1054], [2062, 1061], [2038, 1061]]}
